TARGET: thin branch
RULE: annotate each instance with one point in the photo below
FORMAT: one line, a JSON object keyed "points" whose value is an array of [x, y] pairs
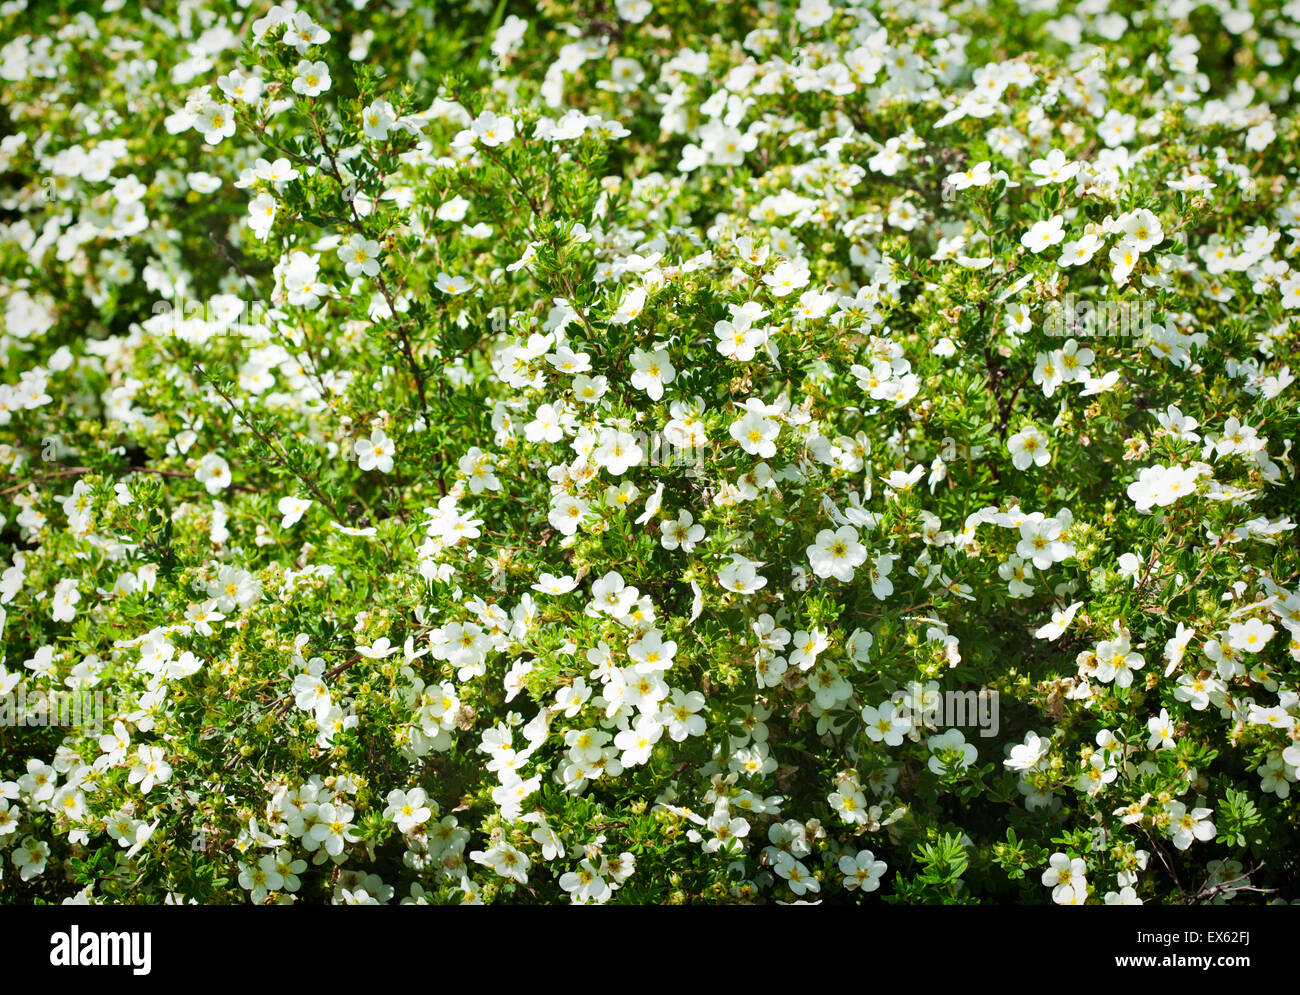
{"points": [[276, 450], [1163, 859], [1230, 885], [408, 354]]}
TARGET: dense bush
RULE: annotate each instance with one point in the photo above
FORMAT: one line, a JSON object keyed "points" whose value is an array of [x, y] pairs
{"points": [[586, 451]]}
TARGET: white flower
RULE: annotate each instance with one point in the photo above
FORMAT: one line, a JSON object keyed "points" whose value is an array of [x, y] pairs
{"points": [[333, 829], [1044, 234], [786, 279], [1187, 826], [1196, 690], [213, 473], [377, 120], [629, 307], [380, 649], [1250, 636], [1079, 251], [1060, 622], [30, 858], [311, 78], [836, 553], [261, 879], [589, 390], [408, 809], [625, 76], [292, 508], [215, 121], [651, 653], [1142, 229], [679, 715], [1161, 730], [741, 575], [950, 744], [682, 533], [1162, 485], [1028, 755], [978, 175], [66, 596], [1123, 258], [151, 768], [375, 453], [1029, 447], [612, 596], [368, 533], [1125, 896], [493, 130], [617, 451], [300, 32], [449, 284], [311, 694], [1116, 660], [567, 513], [1053, 169], [454, 209], [1041, 543], [814, 13], [505, 860], [886, 723], [740, 338], [756, 434], [1065, 876], [278, 172], [585, 885], [239, 86], [261, 215], [724, 145], [652, 504], [651, 371], [863, 871], [806, 647], [634, 11], [360, 255]]}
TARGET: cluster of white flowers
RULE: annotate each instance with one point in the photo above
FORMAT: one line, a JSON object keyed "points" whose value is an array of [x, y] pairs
{"points": [[405, 547]]}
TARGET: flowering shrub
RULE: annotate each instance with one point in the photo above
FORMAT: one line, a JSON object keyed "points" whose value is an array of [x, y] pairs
{"points": [[650, 451]]}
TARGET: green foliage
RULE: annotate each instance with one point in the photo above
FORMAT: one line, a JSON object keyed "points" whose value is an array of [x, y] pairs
{"points": [[649, 452]]}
